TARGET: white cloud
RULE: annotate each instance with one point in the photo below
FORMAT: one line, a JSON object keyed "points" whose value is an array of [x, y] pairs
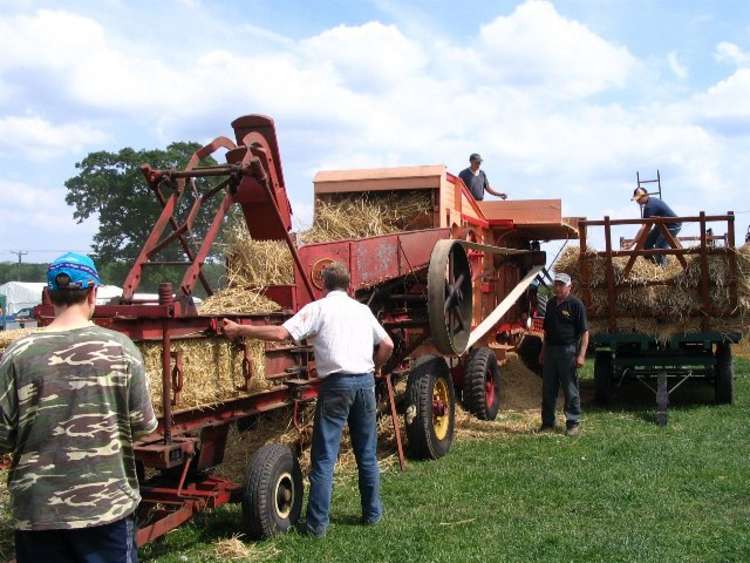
{"points": [[520, 91], [43, 209], [36, 138], [729, 52], [679, 69], [537, 47]]}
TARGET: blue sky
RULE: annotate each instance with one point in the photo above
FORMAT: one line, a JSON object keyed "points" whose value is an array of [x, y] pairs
{"points": [[564, 99]]}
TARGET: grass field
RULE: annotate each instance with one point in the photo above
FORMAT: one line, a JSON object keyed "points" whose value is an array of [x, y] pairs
{"points": [[625, 490]]}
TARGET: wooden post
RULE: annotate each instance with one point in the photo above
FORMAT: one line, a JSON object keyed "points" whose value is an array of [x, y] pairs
{"points": [[583, 266], [705, 298], [611, 294], [732, 257]]}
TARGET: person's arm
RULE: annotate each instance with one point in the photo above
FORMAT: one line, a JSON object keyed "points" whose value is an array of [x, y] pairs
{"points": [[8, 406], [488, 188], [501, 195], [383, 351], [383, 343], [140, 410], [581, 359], [638, 236], [583, 329], [234, 330]]}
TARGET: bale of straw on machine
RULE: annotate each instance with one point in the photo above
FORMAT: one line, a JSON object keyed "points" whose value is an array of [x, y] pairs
{"points": [[212, 370]]}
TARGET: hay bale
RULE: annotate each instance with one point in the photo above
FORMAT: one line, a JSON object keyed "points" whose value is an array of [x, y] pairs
{"points": [[663, 310], [212, 371], [367, 214], [7, 337]]}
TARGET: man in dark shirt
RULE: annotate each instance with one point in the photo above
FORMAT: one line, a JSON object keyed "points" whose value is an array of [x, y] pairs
{"points": [[565, 327], [653, 207], [476, 180]]}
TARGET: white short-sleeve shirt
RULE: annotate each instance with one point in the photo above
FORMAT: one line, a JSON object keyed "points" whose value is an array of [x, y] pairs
{"points": [[342, 331]]}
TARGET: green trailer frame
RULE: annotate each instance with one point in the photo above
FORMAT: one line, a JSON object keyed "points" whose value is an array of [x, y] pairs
{"points": [[663, 365]]}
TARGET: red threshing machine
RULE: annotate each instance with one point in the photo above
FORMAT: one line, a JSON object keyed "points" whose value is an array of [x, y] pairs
{"points": [[451, 293]]}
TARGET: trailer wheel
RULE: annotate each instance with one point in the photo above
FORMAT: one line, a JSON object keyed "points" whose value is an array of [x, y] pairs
{"points": [[724, 382], [272, 495], [430, 409], [603, 373], [481, 391]]}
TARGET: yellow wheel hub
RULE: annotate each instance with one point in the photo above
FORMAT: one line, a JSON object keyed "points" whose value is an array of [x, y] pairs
{"points": [[441, 403]]}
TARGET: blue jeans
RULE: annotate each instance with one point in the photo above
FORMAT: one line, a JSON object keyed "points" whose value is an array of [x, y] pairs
{"points": [[342, 398], [655, 239], [110, 543], [560, 371]]}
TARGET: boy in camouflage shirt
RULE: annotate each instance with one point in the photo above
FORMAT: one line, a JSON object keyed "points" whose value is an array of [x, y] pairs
{"points": [[73, 398]]}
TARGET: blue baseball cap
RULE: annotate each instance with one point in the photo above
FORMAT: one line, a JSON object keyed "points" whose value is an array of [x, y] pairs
{"points": [[79, 269]]}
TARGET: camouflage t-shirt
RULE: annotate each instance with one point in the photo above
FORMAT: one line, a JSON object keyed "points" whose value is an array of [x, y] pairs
{"points": [[71, 404]]}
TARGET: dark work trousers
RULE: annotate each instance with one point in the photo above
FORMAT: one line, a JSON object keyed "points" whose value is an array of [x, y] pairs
{"points": [[110, 543], [560, 370], [655, 239]]}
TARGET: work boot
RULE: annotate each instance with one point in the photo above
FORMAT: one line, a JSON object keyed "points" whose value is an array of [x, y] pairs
{"points": [[573, 430]]}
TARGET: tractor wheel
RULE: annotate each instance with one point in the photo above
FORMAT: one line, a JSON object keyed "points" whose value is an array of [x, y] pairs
{"points": [[481, 391], [724, 382], [430, 409], [529, 350], [272, 495], [603, 373]]}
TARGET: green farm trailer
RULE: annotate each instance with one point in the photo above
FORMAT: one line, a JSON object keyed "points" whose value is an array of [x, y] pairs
{"points": [[622, 353]]}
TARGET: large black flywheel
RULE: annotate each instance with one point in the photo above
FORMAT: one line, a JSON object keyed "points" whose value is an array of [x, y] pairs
{"points": [[449, 297]]}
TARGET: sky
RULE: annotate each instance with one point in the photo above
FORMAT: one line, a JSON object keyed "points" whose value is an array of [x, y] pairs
{"points": [[564, 99]]}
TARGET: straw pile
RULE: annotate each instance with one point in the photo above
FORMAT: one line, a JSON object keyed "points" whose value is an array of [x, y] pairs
{"points": [[212, 371], [252, 265], [367, 214], [663, 310], [7, 337], [234, 549]]}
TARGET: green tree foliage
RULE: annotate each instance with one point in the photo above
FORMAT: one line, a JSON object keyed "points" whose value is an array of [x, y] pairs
{"points": [[110, 186]]}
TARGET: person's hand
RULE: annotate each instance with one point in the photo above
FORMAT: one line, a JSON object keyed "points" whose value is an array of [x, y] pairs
{"points": [[230, 329], [503, 196], [580, 360]]}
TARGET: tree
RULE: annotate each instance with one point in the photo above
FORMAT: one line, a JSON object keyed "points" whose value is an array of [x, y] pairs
{"points": [[111, 186]]}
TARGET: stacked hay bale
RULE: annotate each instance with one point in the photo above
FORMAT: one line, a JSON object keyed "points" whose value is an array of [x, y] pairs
{"points": [[663, 301], [368, 214]]}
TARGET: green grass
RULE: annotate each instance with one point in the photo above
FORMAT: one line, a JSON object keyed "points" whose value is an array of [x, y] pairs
{"points": [[625, 490]]}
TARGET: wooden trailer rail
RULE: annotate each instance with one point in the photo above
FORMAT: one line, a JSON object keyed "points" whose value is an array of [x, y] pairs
{"points": [[704, 249]]}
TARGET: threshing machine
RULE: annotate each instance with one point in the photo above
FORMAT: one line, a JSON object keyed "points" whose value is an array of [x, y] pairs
{"points": [[450, 293]]}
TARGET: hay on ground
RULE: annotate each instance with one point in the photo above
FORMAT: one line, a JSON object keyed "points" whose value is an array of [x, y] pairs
{"points": [[234, 549]]}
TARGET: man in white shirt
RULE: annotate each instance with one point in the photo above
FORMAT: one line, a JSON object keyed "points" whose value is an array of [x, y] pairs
{"points": [[349, 345]]}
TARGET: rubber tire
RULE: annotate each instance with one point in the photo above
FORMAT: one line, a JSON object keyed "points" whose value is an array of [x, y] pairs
{"points": [[529, 350], [724, 382], [482, 362], [259, 514], [422, 443], [603, 373]]}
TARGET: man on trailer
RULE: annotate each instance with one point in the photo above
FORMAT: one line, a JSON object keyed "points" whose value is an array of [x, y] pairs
{"points": [[476, 180], [73, 399], [654, 207], [566, 338], [349, 345]]}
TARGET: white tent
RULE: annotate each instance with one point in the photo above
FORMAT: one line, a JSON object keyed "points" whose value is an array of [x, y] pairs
{"points": [[104, 293], [19, 295]]}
